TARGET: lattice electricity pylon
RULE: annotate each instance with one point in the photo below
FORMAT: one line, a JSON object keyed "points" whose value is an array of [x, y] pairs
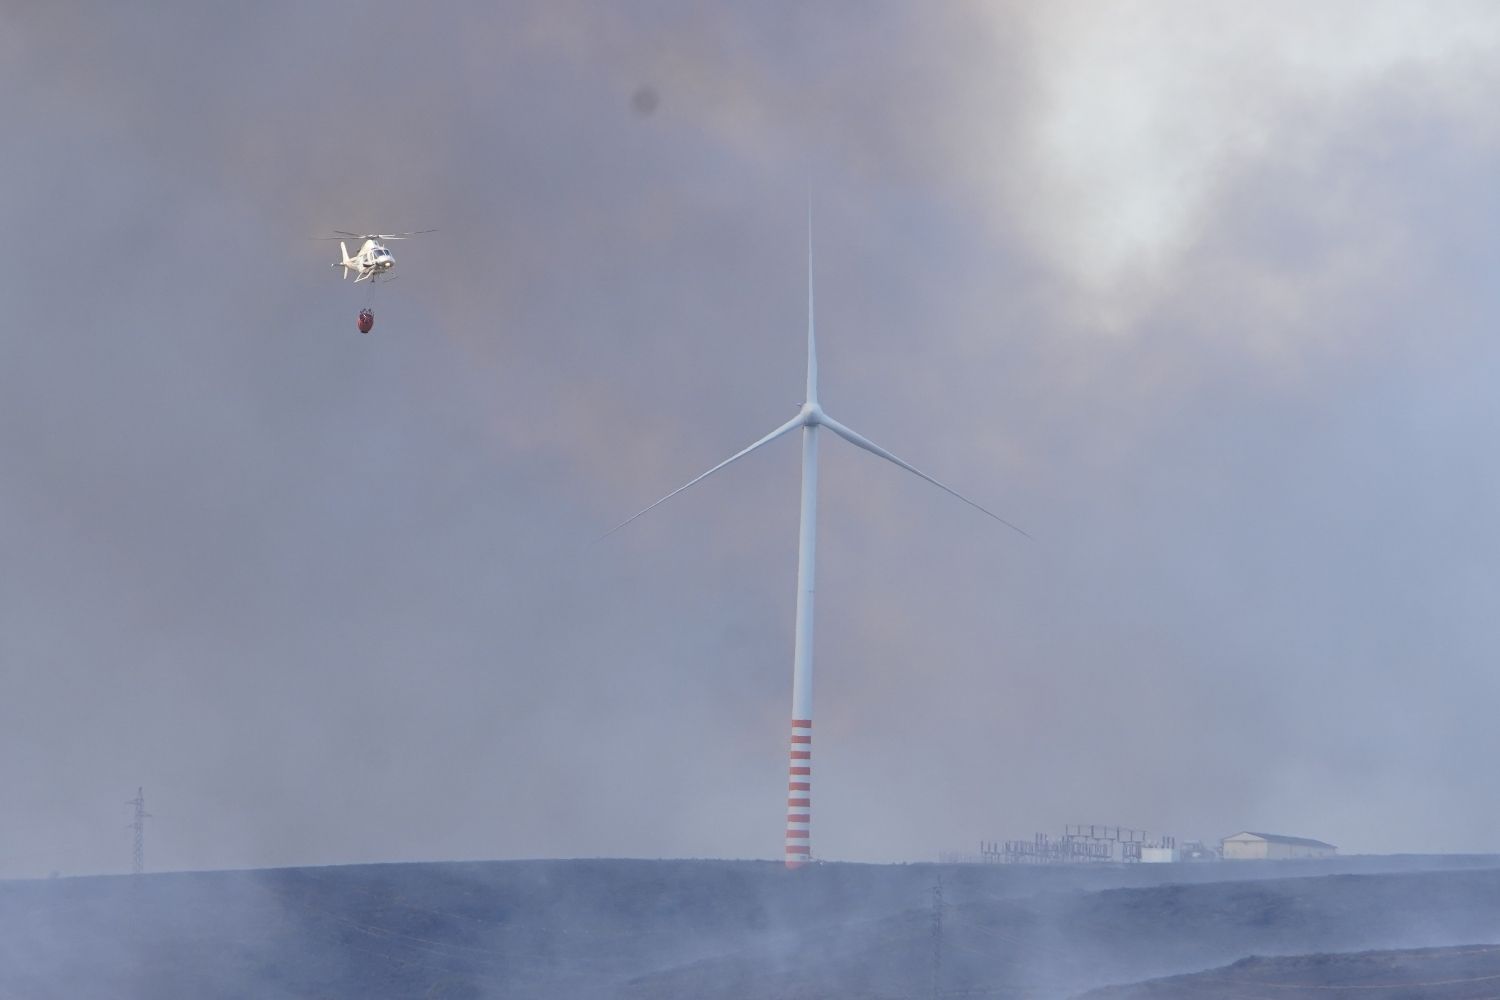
{"points": [[138, 860]]}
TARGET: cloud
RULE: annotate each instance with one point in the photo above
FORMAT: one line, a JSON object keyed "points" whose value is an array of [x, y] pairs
{"points": [[1143, 117]]}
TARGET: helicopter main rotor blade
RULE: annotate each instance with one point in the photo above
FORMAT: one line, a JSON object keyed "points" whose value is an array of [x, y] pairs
{"points": [[343, 233]]}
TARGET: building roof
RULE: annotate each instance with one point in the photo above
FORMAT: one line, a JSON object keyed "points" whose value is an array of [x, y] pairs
{"points": [[1276, 838]]}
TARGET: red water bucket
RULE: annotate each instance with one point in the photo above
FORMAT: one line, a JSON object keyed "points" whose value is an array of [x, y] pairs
{"points": [[366, 320]]}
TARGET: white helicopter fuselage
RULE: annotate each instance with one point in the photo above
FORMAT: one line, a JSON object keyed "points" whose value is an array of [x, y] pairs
{"points": [[372, 261]]}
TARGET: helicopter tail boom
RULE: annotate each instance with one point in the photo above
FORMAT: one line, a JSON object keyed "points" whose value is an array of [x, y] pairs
{"points": [[347, 261]]}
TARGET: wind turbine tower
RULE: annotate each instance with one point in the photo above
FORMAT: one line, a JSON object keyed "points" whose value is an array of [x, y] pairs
{"points": [[810, 418]]}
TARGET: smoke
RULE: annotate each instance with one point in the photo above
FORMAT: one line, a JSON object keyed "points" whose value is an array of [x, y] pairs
{"points": [[1208, 317]]}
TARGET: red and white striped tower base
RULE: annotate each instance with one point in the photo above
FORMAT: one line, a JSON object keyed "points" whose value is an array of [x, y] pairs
{"points": [[799, 795]]}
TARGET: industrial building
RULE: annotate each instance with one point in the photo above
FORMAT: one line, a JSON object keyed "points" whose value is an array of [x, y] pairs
{"points": [[1248, 846], [1082, 843]]}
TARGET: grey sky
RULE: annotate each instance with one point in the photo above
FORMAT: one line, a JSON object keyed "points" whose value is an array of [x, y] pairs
{"points": [[1201, 297]]}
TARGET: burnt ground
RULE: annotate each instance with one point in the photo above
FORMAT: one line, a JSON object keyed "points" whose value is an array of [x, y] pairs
{"points": [[721, 929], [1461, 973]]}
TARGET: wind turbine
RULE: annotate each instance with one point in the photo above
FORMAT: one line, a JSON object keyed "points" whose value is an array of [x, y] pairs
{"points": [[810, 418]]}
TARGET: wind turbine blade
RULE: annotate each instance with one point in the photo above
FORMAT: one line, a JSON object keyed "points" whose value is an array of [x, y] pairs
{"points": [[860, 441], [812, 344], [790, 425]]}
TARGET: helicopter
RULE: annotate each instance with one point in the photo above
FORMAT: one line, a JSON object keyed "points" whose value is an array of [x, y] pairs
{"points": [[373, 259]]}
